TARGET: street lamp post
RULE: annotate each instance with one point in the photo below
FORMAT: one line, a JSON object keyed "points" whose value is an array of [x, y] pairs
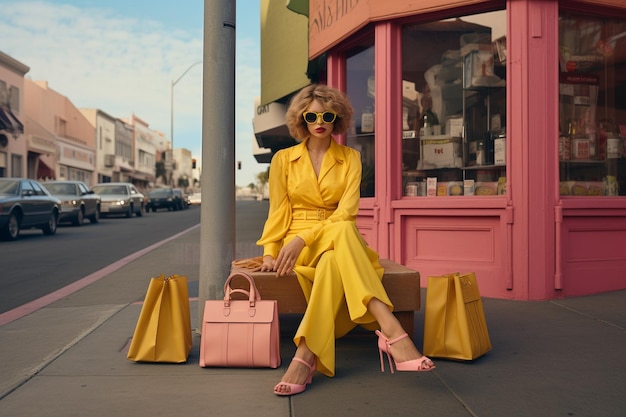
{"points": [[172, 84]]}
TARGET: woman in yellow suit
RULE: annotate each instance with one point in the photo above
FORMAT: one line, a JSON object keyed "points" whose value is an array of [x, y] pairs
{"points": [[311, 229]]}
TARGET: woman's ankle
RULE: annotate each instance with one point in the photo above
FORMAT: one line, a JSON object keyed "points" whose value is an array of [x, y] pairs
{"points": [[306, 355], [393, 331]]}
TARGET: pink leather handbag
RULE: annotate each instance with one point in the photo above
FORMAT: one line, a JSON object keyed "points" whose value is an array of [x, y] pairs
{"points": [[240, 333]]}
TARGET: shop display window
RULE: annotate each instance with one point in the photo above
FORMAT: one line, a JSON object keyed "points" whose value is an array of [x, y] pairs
{"points": [[592, 105], [360, 90], [454, 106]]}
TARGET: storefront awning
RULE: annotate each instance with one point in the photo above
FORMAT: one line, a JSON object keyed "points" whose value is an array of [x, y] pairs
{"points": [[270, 130], [284, 51], [10, 122], [38, 139], [262, 155], [44, 171], [5, 124], [299, 6], [141, 176]]}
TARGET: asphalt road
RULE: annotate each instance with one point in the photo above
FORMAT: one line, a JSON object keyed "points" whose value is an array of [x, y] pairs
{"points": [[36, 265]]}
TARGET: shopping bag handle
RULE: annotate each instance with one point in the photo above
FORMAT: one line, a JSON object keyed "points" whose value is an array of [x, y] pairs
{"points": [[253, 294]]}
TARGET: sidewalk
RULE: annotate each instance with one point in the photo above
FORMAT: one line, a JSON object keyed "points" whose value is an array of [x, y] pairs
{"points": [[557, 358]]}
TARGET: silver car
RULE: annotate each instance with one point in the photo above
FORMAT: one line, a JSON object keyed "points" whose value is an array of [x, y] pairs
{"points": [[78, 202], [119, 198]]}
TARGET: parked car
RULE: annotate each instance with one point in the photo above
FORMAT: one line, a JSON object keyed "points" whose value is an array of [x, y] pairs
{"points": [[162, 198], [119, 198], [78, 202], [194, 199], [25, 203]]}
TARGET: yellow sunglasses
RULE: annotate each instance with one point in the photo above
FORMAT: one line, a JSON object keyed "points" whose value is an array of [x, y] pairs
{"points": [[312, 117]]}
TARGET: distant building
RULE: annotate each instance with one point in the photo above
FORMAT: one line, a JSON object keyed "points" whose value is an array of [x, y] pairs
{"points": [[104, 125], [145, 150], [43, 135], [12, 143], [183, 172], [61, 141]]}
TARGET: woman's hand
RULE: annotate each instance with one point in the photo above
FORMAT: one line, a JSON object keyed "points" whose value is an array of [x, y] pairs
{"points": [[287, 257], [268, 263]]}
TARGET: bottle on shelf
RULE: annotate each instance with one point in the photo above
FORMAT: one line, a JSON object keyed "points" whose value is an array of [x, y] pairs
{"points": [[565, 144], [481, 151], [593, 147], [499, 147], [429, 124], [489, 148], [614, 146]]}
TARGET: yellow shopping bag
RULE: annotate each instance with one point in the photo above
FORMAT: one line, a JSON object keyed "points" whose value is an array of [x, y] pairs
{"points": [[163, 331], [454, 319]]}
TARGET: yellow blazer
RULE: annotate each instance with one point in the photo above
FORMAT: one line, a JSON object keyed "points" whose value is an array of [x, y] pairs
{"points": [[295, 187]]}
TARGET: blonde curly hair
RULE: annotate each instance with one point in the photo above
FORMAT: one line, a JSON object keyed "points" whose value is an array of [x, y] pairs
{"points": [[332, 99]]}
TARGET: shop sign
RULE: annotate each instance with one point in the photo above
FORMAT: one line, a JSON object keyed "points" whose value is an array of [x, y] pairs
{"points": [[268, 116], [331, 21], [76, 157], [41, 145]]}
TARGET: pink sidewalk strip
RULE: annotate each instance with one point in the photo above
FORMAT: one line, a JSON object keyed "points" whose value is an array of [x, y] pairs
{"points": [[25, 309]]}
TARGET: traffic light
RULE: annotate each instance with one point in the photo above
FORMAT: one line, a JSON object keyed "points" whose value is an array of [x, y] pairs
{"points": [[193, 163], [238, 164]]}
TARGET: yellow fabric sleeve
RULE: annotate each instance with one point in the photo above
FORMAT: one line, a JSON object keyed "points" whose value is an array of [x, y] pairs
{"points": [[279, 214]]}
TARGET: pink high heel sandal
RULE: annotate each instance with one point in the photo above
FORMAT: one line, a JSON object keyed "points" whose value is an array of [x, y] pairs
{"points": [[297, 388], [415, 365]]}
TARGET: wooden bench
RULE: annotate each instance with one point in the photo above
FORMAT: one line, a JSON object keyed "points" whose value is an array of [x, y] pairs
{"points": [[401, 283]]}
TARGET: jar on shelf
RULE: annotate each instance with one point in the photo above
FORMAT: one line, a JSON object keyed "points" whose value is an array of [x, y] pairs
{"points": [[411, 189], [501, 188], [610, 185], [367, 120], [580, 146]]}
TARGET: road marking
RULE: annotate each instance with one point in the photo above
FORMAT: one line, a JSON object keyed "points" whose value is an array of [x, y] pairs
{"points": [[26, 309]]}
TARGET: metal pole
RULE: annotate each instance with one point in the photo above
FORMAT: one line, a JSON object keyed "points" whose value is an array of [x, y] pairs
{"points": [[217, 229], [172, 84], [172, 129]]}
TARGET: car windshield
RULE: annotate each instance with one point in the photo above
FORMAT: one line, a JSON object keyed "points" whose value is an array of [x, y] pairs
{"points": [[160, 193], [109, 189], [9, 187], [60, 188]]}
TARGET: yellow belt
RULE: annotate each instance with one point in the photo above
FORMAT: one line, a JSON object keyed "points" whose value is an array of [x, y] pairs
{"points": [[312, 214]]}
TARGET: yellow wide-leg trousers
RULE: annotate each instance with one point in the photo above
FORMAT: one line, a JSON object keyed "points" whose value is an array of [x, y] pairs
{"points": [[339, 275]]}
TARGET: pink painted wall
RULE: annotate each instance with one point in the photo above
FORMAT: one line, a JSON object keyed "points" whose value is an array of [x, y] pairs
{"points": [[45, 105], [530, 244]]}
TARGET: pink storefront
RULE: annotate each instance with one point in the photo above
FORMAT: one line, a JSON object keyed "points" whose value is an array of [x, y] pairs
{"points": [[518, 170]]}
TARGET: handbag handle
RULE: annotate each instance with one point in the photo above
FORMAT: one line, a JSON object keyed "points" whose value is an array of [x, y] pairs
{"points": [[253, 293]]}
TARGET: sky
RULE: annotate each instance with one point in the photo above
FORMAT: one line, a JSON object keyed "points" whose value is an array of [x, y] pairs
{"points": [[121, 56]]}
